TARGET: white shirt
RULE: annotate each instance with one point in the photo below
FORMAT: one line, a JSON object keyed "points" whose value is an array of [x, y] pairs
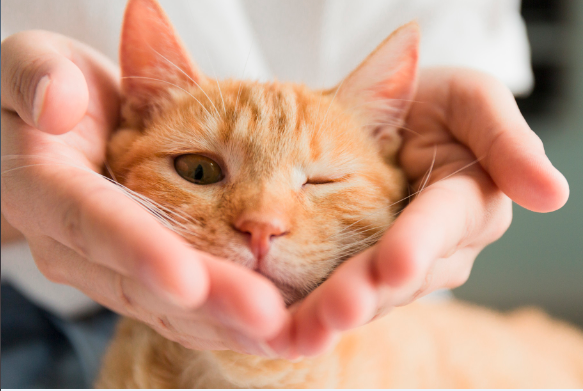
{"points": [[316, 42]]}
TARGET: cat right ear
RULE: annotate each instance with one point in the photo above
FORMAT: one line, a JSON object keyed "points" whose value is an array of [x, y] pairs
{"points": [[153, 60], [380, 90]]}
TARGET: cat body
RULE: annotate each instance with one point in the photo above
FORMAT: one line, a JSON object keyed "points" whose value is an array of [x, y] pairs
{"points": [[422, 345], [291, 182]]}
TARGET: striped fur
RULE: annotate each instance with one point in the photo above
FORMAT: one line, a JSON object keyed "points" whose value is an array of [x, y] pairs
{"points": [[269, 139], [313, 161]]}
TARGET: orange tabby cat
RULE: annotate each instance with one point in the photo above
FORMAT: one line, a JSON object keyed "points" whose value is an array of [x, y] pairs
{"points": [[290, 182]]}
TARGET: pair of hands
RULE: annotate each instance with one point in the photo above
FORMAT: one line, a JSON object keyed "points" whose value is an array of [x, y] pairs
{"points": [[60, 100]]}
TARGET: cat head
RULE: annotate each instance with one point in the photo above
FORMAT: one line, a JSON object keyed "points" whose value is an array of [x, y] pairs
{"points": [[277, 177]]}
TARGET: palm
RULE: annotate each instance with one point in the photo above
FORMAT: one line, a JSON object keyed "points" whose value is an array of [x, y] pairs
{"points": [[465, 123], [82, 231]]}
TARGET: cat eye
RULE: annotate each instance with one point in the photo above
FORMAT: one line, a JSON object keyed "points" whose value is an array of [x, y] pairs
{"points": [[198, 169], [318, 181]]}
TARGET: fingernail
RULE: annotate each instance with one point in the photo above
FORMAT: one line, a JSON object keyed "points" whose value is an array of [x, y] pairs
{"points": [[39, 98]]}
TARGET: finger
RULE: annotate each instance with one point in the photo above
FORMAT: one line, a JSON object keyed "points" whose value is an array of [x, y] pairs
{"points": [[451, 214], [310, 334], [448, 273], [239, 299], [482, 114], [282, 345], [244, 300], [119, 294], [448, 215], [350, 296], [93, 217], [41, 83], [62, 265]]}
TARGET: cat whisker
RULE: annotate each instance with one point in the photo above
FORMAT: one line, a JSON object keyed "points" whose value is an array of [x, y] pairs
{"points": [[190, 78], [215, 74], [350, 236], [167, 82], [162, 213], [370, 214], [356, 248], [330, 105], [110, 172], [347, 228], [426, 177], [357, 231], [385, 100], [396, 125]]}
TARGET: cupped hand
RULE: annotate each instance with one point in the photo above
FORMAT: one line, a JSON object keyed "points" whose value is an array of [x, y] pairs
{"points": [[60, 101], [467, 152]]}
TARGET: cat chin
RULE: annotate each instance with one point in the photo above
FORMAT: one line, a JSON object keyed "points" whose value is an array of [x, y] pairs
{"points": [[291, 295]]}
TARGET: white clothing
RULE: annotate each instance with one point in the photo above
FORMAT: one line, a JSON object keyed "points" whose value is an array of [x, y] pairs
{"points": [[316, 42]]}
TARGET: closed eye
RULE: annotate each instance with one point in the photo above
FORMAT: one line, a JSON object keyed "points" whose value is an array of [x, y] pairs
{"points": [[325, 181], [319, 181]]}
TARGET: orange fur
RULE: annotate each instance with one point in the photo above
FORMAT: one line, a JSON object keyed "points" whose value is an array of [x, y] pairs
{"points": [[422, 345], [320, 164]]}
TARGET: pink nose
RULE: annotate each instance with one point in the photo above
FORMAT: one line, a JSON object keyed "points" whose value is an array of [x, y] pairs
{"points": [[262, 230]]}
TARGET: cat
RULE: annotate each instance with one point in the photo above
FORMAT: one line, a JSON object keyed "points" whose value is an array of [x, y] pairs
{"points": [[291, 182]]}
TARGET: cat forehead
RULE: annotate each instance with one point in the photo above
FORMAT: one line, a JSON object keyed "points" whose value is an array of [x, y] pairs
{"points": [[263, 121]]}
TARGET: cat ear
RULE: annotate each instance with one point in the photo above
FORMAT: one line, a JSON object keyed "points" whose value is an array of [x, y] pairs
{"points": [[381, 88], [153, 59]]}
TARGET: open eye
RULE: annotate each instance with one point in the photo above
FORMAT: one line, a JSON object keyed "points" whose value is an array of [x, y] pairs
{"points": [[198, 169]]}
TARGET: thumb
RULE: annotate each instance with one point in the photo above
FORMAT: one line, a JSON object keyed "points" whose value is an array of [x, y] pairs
{"points": [[40, 83]]}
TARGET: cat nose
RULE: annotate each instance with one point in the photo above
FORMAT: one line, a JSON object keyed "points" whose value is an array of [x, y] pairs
{"points": [[263, 230]]}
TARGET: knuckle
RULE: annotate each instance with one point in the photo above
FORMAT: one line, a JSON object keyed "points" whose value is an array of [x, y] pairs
{"points": [[500, 217], [71, 223], [123, 294], [460, 278], [48, 269], [460, 270], [164, 323], [124, 299]]}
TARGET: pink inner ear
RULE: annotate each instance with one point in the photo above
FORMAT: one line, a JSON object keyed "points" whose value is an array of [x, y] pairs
{"points": [[150, 48], [383, 85]]}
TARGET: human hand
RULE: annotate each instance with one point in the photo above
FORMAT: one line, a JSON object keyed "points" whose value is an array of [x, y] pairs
{"points": [[60, 101], [471, 122]]}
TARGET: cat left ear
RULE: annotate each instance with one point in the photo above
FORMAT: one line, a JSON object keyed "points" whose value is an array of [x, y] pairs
{"points": [[381, 88], [152, 59]]}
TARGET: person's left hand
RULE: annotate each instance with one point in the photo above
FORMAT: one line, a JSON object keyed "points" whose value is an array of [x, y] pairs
{"points": [[471, 122]]}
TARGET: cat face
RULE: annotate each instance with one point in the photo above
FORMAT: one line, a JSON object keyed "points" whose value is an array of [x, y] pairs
{"points": [[274, 176]]}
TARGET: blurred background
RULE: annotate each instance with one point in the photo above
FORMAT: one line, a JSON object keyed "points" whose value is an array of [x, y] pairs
{"points": [[539, 261]]}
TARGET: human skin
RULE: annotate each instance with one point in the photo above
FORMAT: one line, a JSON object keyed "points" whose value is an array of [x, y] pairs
{"points": [[60, 99]]}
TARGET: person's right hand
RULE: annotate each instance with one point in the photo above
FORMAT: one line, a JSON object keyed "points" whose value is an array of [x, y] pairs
{"points": [[60, 101]]}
